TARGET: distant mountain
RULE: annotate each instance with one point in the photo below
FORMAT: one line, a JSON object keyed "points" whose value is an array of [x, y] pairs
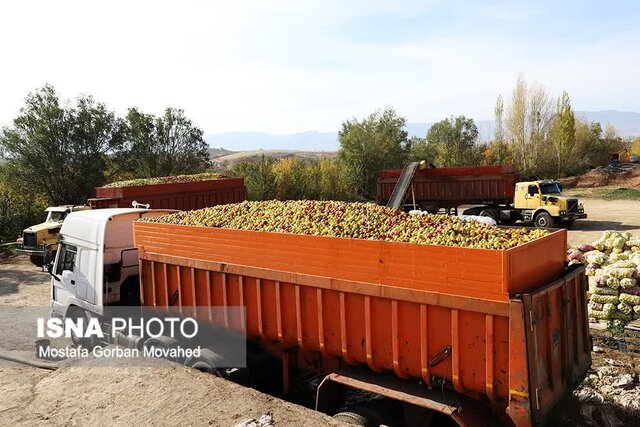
{"points": [[301, 141], [626, 123]]}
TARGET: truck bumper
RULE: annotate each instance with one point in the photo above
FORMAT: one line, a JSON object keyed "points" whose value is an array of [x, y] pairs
{"points": [[26, 250], [571, 217]]}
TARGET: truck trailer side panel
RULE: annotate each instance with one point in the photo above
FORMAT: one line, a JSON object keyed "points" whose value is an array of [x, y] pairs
{"points": [[181, 196], [361, 310], [451, 187]]}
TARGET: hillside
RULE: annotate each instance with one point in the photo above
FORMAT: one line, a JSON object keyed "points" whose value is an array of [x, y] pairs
{"points": [[626, 123], [233, 158]]}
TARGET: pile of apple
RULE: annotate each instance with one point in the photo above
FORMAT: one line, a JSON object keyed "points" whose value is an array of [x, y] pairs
{"points": [[208, 176], [353, 220]]}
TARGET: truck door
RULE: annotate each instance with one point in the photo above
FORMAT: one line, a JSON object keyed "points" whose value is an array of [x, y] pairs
{"points": [[85, 272], [532, 197], [65, 269]]}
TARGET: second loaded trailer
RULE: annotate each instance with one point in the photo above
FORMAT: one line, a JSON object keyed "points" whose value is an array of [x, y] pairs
{"points": [[481, 336], [493, 191]]}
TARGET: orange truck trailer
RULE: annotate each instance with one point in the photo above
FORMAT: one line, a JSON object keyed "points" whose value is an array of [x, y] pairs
{"points": [[493, 191], [174, 195], [481, 337]]}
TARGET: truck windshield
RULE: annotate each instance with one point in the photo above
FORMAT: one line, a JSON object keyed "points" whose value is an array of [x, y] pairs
{"points": [[551, 188], [56, 216]]}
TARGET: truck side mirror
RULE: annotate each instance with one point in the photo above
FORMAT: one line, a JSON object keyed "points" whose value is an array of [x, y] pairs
{"points": [[50, 271]]}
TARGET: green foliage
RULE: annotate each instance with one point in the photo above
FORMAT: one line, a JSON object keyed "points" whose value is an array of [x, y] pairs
{"points": [[18, 209], [161, 146], [258, 178], [564, 132], [454, 140], [418, 149], [370, 145], [58, 151], [609, 193], [294, 179], [635, 146]]}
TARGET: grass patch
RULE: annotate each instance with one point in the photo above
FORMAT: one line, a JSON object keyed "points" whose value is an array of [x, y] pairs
{"points": [[608, 193]]}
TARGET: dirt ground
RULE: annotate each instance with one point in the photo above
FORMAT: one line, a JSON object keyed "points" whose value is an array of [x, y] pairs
{"points": [[91, 394], [620, 215], [170, 394]]}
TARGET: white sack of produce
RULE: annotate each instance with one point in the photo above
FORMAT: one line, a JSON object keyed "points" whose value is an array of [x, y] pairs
{"points": [[481, 219], [595, 257]]}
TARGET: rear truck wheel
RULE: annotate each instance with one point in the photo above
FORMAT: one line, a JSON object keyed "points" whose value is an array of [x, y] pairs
{"points": [[164, 344], [351, 418], [473, 211], [491, 213], [88, 343], [208, 361], [543, 220], [360, 415], [37, 260]]}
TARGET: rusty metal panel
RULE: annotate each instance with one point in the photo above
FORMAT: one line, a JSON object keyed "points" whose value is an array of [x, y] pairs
{"points": [[558, 342]]}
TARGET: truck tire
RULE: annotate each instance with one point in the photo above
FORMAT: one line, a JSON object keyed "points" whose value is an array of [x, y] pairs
{"points": [[37, 260], [543, 220], [473, 211], [567, 223], [208, 362], [361, 415], [491, 213], [351, 418]]}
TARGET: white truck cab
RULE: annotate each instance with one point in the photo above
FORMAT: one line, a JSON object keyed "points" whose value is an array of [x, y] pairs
{"points": [[97, 262]]}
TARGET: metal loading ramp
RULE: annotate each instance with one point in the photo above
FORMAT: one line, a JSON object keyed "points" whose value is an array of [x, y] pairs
{"points": [[401, 188]]}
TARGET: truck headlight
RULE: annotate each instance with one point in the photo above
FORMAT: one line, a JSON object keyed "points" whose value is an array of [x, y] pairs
{"points": [[563, 212], [580, 210]]}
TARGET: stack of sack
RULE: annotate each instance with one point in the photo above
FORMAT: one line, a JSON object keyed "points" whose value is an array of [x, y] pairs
{"points": [[612, 266]]}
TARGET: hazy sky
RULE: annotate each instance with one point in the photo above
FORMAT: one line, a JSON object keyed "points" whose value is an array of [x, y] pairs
{"points": [[287, 66]]}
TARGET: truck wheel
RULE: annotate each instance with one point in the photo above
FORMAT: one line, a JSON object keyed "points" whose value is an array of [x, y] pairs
{"points": [[88, 343], [351, 418], [472, 211], [37, 260], [208, 362], [360, 415], [543, 220], [491, 213]]}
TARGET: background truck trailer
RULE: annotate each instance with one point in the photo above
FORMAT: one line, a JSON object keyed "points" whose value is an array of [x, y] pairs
{"points": [[494, 191], [41, 241], [480, 336], [181, 195]]}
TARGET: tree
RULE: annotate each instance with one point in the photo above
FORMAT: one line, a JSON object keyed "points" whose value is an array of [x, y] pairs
{"points": [[162, 146], [370, 145], [18, 209], [499, 118], [60, 152], [454, 140], [635, 146], [527, 124], [564, 132], [498, 152], [258, 178], [419, 149]]}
